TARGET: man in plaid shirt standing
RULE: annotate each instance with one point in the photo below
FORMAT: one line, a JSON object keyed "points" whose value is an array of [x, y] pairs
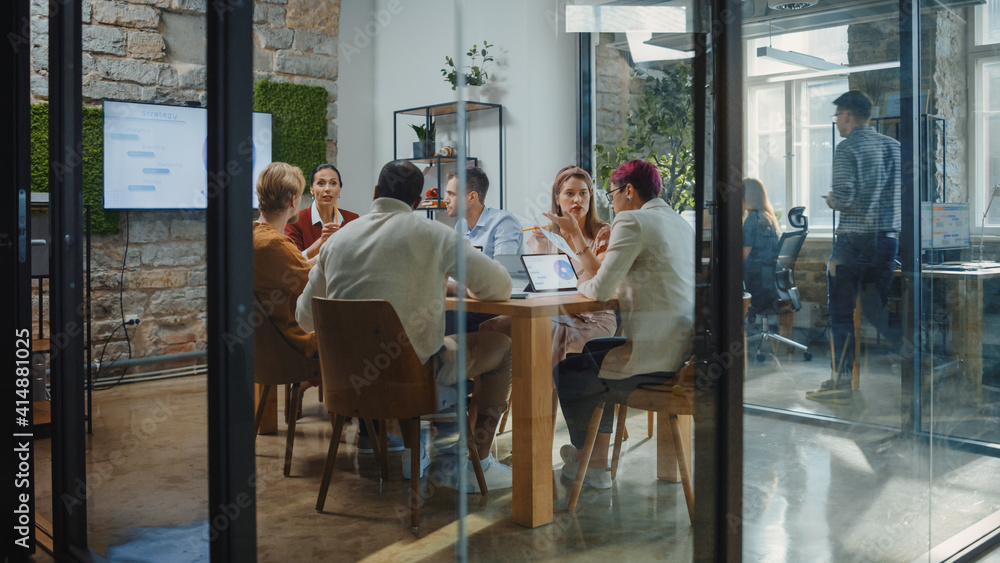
{"points": [[866, 192]]}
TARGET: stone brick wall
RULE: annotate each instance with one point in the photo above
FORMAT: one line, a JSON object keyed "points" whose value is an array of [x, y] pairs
{"points": [[945, 46], [164, 284], [612, 91], [617, 91], [154, 51]]}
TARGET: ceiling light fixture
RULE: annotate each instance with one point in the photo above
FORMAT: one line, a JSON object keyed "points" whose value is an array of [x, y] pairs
{"points": [[789, 5], [842, 71], [797, 59]]}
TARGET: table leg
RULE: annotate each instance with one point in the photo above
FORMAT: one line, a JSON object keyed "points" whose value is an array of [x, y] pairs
{"points": [[269, 423], [856, 366], [666, 455], [531, 398], [969, 333], [786, 328]]}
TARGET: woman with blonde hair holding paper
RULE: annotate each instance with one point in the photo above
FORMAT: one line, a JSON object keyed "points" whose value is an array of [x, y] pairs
{"points": [[573, 217]]}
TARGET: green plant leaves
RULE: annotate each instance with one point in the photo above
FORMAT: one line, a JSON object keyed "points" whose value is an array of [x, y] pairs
{"points": [[477, 73], [661, 131], [298, 120], [101, 222], [423, 133]]}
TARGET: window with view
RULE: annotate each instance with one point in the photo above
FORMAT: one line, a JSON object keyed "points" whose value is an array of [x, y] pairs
{"points": [[791, 83], [986, 62]]}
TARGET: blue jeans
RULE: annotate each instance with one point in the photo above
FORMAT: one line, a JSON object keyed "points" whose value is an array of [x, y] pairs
{"points": [[858, 261]]}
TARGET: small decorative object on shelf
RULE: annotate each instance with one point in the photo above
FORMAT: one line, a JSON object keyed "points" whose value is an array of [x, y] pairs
{"points": [[423, 147], [475, 76], [436, 166], [432, 204]]}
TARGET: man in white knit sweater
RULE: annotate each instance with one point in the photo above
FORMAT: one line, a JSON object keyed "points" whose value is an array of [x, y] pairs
{"points": [[404, 258]]}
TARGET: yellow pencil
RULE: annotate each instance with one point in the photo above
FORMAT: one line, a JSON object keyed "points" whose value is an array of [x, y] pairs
{"points": [[536, 228], [334, 211]]}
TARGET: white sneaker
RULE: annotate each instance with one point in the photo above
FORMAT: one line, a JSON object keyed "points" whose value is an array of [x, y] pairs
{"points": [[595, 477], [425, 461], [498, 476]]}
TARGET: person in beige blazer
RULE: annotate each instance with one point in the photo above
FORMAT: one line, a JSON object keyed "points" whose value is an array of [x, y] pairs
{"points": [[649, 264]]}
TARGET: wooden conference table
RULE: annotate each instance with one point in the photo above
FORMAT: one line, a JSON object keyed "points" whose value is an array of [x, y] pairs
{"points": [[965, 303], [531, 393]]}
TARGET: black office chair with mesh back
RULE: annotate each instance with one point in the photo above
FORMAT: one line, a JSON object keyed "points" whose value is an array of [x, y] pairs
{"points": [[779, 280]]}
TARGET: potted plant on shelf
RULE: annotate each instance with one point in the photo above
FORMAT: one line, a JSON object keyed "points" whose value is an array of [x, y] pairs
{"points": [[423, 147], [476, 74]]}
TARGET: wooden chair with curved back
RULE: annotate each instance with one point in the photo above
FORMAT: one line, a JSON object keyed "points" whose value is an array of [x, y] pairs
{"points": [[671, 399], [370, 371], [276, 362]]}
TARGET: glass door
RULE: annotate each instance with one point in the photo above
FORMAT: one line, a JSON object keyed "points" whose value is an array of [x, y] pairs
{"points": [[893, 466], [957, 390]]}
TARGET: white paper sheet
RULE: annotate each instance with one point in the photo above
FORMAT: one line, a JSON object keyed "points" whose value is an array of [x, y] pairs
{"points": [[554, 238]]}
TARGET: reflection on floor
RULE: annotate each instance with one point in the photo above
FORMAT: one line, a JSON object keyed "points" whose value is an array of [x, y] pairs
{"points": [[811, 494], [876, 493], [782, 379]]}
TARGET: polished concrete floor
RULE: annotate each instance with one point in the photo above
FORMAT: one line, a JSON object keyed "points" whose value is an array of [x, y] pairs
{"points": [[812, 493], [781, 380]]}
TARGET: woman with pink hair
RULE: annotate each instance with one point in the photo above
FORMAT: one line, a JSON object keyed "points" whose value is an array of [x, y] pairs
{"points": [[649, 265]]}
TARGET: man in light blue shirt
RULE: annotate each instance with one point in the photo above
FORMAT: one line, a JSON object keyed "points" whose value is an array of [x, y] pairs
{"points": [[495, 230]]}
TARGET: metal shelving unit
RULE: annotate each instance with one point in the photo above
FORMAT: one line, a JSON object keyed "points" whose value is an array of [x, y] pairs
{"points": [[450, 108]]}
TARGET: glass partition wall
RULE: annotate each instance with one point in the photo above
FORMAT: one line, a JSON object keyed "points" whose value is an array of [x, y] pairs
{"points": [[897, 469], [897, 465], [957, 390], [118, 306]]}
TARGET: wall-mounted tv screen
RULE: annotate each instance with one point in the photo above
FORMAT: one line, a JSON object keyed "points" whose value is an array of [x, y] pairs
{"points": [[156, 156]]}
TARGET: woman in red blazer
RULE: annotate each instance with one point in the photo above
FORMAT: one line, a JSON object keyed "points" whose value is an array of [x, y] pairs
{"points": [[317, 222]]}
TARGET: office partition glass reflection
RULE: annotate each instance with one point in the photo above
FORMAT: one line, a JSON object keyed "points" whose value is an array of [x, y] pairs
{"points": [[956, 388], [823, 459], [644, 98], [888, 493], [803, 77]]}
